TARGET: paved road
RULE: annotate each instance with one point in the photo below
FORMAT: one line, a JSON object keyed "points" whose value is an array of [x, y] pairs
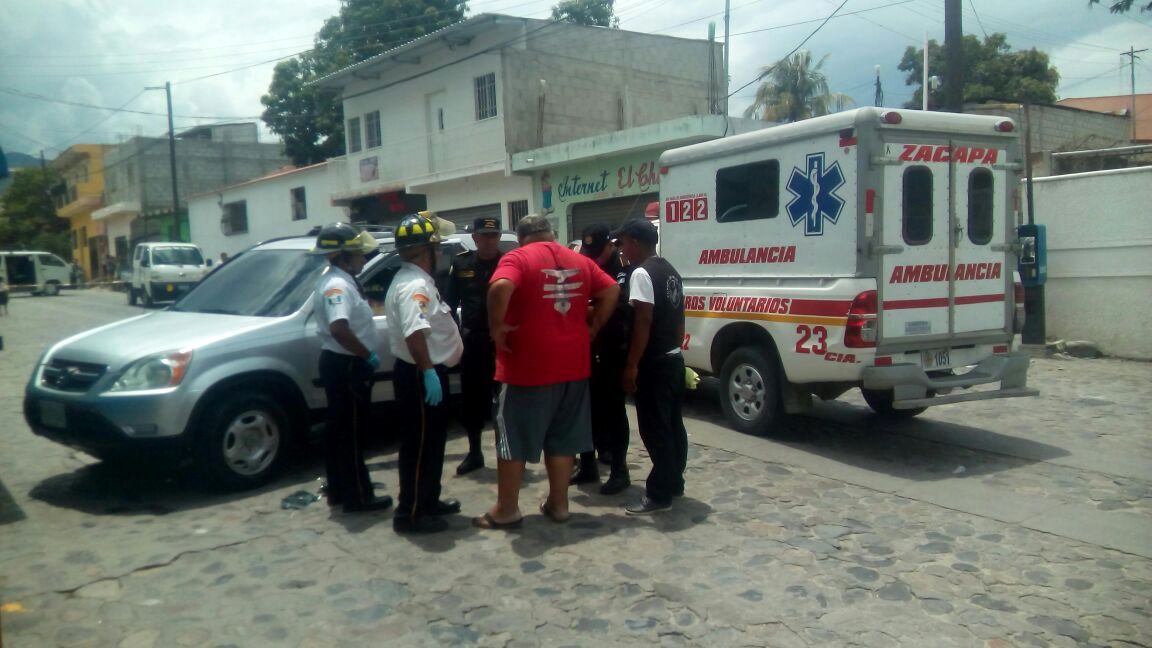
{"points": [[1020, 522]]}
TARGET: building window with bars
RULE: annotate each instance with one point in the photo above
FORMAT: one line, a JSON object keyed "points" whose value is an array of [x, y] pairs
{"points": [[517, 209], [235, 218], [354, 135], [485, 96], [372, 129]]}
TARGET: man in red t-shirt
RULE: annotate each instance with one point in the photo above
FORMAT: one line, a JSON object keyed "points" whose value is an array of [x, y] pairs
{"points": [[538, 317]]}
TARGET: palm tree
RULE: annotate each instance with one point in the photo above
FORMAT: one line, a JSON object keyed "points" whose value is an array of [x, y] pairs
{"points": [[794, 89]]}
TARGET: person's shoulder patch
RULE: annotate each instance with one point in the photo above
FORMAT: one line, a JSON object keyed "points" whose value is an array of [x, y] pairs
{"points": [[334, 296]]}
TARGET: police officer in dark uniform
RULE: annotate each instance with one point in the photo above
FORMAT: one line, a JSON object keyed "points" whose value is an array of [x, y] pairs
{"points": [[609, 351], [468, 291]]}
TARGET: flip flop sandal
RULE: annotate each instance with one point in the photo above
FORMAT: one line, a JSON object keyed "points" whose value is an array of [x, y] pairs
{"points": [[486, 521], [552, 515]]}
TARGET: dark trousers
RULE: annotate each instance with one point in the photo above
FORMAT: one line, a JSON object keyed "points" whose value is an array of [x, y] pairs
{"points": [[659, 392], [347, 382], [477, 368], [609, 418], [425, 431]]}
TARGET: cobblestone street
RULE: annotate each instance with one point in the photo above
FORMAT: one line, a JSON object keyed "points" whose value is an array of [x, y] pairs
{"points": [[1021, 522]]}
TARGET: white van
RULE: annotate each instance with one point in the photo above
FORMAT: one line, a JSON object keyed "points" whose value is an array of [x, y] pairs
{"points": [[872, 248], [40, 273], [165, 271]]}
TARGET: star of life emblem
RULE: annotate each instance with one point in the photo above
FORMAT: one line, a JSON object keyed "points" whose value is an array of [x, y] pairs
{"points": [[814, 195], [558, 287]]}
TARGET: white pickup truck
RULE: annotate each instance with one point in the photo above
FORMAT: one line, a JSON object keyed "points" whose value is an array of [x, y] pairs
{"points": [[165, 271]]}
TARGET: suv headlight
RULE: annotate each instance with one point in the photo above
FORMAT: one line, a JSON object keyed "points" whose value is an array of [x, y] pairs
{"points": [[154, 372]]}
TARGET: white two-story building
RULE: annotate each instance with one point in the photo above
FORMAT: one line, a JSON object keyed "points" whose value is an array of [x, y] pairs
{"points": [[435, 121]]}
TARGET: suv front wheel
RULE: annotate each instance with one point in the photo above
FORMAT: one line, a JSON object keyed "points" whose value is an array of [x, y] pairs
{"points": [[244, 441]]}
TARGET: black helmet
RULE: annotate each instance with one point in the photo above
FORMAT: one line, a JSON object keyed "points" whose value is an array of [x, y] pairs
{"points": [[342, 237], [415, 229]]}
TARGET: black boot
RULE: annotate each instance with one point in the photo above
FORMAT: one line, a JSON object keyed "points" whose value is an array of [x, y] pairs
{"points": [[586, 471], [617, 481], [474, 460]]}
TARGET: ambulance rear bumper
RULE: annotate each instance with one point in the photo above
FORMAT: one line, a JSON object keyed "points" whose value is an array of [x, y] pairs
{"points": [[912, 387]]}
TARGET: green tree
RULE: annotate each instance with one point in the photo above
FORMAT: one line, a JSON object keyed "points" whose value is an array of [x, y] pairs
{"points": [[28, 214], [1122, 6], [310, 120], [992, 72], [593, 13], [793, 89]]}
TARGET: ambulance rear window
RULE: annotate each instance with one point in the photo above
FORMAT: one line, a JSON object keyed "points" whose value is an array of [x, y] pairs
{"points": [[748, 192], [980, 193], [917, 205]]}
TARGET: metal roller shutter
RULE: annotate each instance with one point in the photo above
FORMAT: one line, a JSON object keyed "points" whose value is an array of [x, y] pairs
{"points": [[464, 217], [612, 212]]}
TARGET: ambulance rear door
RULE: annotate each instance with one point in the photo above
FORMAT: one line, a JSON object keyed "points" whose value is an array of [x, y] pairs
{"points": [[941, 275]]}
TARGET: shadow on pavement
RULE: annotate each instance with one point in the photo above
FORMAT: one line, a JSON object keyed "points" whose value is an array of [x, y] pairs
{"points": [[10, 511], [919, 449]]}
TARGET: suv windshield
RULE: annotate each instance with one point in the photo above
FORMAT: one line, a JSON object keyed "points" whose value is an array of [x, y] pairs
{"points": [[176, 256], [264, 283]]}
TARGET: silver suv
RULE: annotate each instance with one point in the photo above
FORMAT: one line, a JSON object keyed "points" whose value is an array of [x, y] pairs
{"points": [[225, 377]]}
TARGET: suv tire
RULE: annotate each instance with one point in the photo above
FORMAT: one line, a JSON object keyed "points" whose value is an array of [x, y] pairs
{"points": [[244, 440], [750, 391], [51, 289]]}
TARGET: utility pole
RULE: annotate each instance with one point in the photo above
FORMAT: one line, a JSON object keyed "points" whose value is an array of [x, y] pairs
{"points": [[953, 56], [879, 89], [171, 155], [1131, 54], [727, 51]]}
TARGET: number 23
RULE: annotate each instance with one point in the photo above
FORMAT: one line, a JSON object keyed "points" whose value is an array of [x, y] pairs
{"points": [[817, 334]]}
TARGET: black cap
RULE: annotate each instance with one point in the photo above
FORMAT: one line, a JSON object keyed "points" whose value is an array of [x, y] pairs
{"points": [[486, 225], [593, 240], [640, 229]]}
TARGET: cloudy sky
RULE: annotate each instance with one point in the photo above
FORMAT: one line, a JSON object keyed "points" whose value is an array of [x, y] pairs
{"points": [[62, 60]]}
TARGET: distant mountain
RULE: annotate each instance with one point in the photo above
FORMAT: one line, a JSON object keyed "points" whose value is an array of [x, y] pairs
{"points": [[21, 160]]}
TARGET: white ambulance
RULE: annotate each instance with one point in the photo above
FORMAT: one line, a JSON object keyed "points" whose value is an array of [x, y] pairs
{"points": [[873, 248]]}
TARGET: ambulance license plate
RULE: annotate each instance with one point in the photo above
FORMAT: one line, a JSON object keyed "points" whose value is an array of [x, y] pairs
{"points": [[935, 358], [52, 415]]}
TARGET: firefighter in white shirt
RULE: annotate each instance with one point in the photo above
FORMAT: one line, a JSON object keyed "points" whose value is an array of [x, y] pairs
{"points": [[425, 340], [348, 360]]}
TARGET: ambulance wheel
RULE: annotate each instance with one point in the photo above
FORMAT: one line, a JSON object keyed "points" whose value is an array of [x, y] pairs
{"points": [[51, 289], [750, 391], [131, 296], [881, 402]]}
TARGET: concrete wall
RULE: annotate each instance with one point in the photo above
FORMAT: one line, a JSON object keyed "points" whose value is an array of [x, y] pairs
{"points": [[1099, 258], [601, 80], [139, 169], [1058, 128], [269, 205]]}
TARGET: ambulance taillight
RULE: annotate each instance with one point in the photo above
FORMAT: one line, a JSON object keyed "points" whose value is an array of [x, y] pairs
{"points": [[1018, 297], [860, 331]]}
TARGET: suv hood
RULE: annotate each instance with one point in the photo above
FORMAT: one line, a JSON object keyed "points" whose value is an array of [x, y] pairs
{"points": [[128, 340]]}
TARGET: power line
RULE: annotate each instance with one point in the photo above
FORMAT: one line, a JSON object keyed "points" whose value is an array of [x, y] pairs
{"points": [[978, 21], [823, 20], [794, 49], [110, 115], [38, 97]]}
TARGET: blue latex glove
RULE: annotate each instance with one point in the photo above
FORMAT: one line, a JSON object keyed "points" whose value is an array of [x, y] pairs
{"points": [[432, 392], [373, 360]]}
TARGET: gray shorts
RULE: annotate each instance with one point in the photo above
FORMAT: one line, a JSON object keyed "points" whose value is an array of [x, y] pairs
{"points": [[552, 418]]}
